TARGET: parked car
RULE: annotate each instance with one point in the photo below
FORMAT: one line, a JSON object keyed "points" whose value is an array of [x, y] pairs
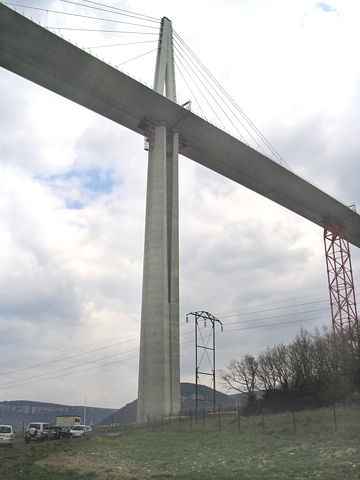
{"points": [[81, 431], [37, 431], [6, 435], [61, 432]]}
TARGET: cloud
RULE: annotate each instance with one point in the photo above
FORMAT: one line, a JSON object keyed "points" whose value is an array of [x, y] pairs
{"points": [[325, 7]]}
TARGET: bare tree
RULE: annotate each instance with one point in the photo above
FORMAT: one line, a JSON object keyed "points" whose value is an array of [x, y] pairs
{"points": [[267, 373], [241, 375], [301, 359], [315, 369], [282, 365]]}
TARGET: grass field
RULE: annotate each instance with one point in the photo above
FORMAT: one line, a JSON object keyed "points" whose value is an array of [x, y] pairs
{"points": [[277, 448]]}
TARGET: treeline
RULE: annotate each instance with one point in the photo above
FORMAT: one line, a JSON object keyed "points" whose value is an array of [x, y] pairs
{"points": [[315, 370]]}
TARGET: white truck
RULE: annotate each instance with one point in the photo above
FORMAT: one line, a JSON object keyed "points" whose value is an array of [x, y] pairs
{"points": [[68, 421]]}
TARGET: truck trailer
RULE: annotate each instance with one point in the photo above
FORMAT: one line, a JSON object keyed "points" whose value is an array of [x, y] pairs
{"points": [[68, 421]]}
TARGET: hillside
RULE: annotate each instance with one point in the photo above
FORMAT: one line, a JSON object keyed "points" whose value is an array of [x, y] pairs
{"points": [[127, 414], [21, 412]]}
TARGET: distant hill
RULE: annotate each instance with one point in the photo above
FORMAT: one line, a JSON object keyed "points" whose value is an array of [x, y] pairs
{"points": [[188, 397], [21, 412], [127, 414]]}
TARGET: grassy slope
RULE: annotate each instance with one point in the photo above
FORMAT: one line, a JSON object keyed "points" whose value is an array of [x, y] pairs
{"points": [[316, 451]]}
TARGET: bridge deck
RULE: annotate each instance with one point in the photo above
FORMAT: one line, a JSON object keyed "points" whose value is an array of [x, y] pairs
{"points": [[46, 59]]}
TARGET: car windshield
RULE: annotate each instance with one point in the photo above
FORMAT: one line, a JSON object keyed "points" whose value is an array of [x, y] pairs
{"points": [[4, 429], [34, 425]]}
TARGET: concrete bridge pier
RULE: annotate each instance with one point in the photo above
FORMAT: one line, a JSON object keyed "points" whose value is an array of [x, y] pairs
{"points": [[159, 368]]}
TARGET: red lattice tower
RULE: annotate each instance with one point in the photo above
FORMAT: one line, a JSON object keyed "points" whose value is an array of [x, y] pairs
{"points": [[340, 277]]}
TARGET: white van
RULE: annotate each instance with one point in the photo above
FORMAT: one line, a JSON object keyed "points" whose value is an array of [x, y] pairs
{"points": [[6, 435]]}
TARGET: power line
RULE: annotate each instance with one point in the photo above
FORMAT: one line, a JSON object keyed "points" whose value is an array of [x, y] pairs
{"points": [[136, 337], [273, 303], [185, 333], [277, 316], [73, 373], [76, 347], [68, 357], [274, 324], [36, 378], [7, 384], [269, 325], [273, 309], [222, 314], [132, 338], [73, 356]]}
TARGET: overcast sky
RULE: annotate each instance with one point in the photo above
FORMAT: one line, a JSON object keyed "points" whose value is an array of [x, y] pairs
{"points": [[72, 199]]}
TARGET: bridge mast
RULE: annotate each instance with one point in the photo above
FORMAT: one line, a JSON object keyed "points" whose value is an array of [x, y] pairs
{"points": [[159, 365]]}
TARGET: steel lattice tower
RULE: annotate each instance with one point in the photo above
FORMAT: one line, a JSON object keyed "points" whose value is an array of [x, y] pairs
{"points": [[340, 278], [204, 356]]}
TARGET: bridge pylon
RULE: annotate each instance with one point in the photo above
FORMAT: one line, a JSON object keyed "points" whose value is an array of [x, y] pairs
{"points": [[159, 363]]}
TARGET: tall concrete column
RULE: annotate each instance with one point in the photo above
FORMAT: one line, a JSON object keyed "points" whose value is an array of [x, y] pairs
{"points": [[173, 271], [159, 367]]}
